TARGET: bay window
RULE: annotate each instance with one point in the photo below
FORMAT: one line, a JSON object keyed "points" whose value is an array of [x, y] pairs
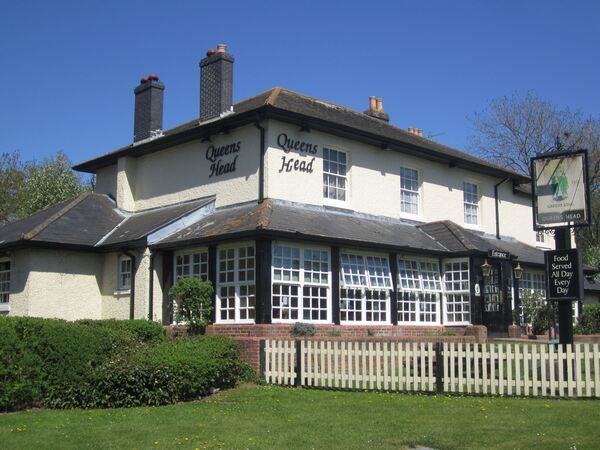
{"points": [[300, 283], [236, 289], [4, 284], [192, 263], [419, 291], [457, 289], [365, 285]]}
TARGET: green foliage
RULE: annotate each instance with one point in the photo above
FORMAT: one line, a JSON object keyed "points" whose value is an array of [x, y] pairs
{"points": [[543, 318], [107, 363], [303, 329], [140, 330], [171, 371], [194, 302], [48, 183], [589, 322], [11, 180], [531, 303], [19, 371]]}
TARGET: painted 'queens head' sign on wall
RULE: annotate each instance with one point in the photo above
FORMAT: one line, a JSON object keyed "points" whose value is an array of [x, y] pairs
{"points": [[297, 164]]}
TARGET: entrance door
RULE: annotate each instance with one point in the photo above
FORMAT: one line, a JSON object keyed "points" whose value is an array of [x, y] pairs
{"points": [[495, 301]]}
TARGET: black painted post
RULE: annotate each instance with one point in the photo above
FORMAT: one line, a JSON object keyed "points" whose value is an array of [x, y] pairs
{"points": [[167, 309], [439, 369], [562, 239], [394, 293], [335, 284], [212, 277], [263, 281]]}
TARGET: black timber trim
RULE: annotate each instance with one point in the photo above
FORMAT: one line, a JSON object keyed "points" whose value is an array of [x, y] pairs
{"points": [[263, 280], [394, 294], [168, 273], [151, 287], [335, 284], [212, 277]]}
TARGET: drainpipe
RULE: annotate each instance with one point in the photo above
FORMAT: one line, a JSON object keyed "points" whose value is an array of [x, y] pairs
{"points": [[261, 167], [151, 293], [496, 186], [132, 287]]}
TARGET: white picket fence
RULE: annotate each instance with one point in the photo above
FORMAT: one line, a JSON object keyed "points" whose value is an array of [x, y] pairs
{"points": [[520, 369]]}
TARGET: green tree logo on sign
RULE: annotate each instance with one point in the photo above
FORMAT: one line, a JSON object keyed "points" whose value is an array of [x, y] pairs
{"points": [[560, 186]]}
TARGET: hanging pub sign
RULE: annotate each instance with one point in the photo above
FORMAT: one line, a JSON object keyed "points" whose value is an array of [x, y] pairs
{"points": [[560, 190], [564, 274]]}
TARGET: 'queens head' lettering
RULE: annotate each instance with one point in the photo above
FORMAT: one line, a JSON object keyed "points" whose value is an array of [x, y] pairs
{"points": [[213, 153]]}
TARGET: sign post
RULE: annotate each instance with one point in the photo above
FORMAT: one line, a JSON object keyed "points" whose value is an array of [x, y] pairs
{"points": [[561, 201]]}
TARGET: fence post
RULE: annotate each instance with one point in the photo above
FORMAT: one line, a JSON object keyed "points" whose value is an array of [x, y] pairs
{"points": [[439, 368], [262, 358], [298, 381]]}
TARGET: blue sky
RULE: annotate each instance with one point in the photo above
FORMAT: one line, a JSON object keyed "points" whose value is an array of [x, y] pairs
{"points": [[68, 69]]}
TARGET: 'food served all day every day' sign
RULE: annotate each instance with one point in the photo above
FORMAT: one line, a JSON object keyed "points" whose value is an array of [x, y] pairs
{"points": [[564, 274]]}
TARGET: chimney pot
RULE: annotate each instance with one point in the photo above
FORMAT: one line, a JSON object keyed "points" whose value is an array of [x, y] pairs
{"points": [[372, 103], [221, 48], [210, 52], [379, 105]]}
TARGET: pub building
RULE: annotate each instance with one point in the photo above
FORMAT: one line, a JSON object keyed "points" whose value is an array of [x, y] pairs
{"points": [[295, 208]]}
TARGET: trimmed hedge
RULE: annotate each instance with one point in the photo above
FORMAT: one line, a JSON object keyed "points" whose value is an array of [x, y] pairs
{"points": [[172, 371], [108, 363], [141, 330], [589, 323]]}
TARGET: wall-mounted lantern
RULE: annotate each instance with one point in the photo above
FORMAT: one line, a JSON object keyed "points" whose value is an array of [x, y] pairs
{"points": [[518, 271], [486, 268]]}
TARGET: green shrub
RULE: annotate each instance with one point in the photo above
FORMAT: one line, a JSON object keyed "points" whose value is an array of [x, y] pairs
{"points": [[194, 302], [303, 329], [543, 319], [172, 371], [20, 383], [140, 330], [589, 322]]}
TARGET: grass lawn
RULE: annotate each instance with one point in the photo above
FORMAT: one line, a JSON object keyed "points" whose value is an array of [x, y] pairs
{"points": [[285, 418]]}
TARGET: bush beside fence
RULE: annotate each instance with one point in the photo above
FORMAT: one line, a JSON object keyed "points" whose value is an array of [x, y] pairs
{"points": [[54, 363]]}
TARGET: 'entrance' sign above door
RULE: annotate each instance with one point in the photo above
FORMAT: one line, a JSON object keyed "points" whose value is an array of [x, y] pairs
{"points": [[498, 254]]}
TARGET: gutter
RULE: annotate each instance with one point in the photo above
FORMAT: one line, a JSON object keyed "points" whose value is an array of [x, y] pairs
{"points": [[496, 186], [132, 287], [261, 166]]}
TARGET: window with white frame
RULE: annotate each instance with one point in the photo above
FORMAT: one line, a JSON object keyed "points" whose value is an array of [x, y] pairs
{"points": [[335, 181], [300, 283], [192, 263], [409, 190], [534, 282], [4, 283], [236, 289], [457, 291], [124, 273], [419, 290], [471, 203], [365, 285]]}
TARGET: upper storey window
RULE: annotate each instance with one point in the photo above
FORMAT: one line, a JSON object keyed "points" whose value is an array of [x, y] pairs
{"points": [[335, 180], [471, 202], [409, 191]]}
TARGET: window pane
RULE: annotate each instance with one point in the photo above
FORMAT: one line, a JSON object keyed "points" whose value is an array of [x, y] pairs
{"points": [[334, 174], [409, 190]]}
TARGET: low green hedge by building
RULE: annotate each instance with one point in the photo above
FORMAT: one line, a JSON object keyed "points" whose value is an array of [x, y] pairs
{"points": [[54, 363]]}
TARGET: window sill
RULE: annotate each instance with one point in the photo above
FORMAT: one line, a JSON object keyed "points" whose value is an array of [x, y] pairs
{"points": [[336, 203], [471, 226], [4, 307], [414, 217]]}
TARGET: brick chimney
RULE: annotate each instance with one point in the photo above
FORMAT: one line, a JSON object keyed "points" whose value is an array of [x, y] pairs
{"points": [[376, 109], [216, 83], [148, 118], [416, 131]]}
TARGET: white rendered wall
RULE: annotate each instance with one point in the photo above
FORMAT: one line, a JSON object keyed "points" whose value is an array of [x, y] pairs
{"points": [[56, 283], [374, 184]]}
